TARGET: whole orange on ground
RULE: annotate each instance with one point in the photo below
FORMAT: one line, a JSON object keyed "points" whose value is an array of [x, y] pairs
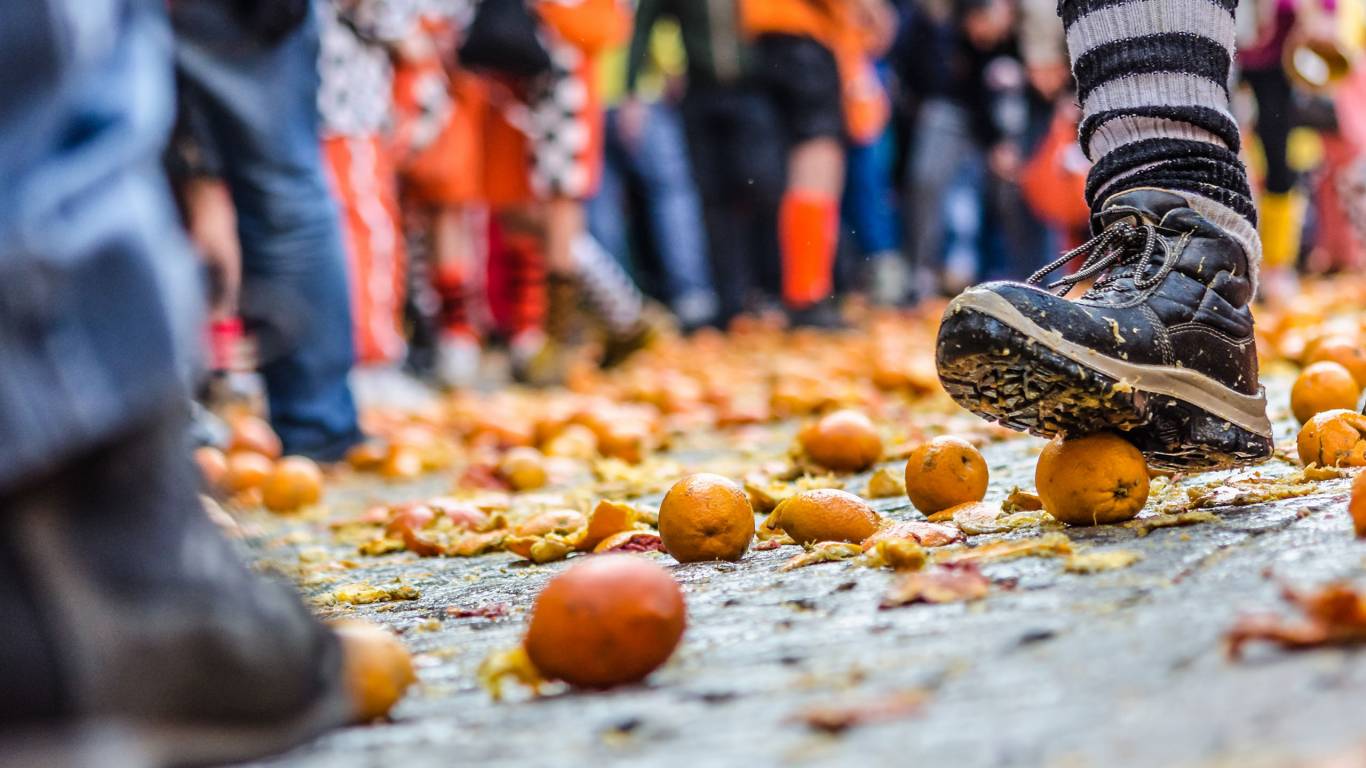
{"points": [[1357, 506], [1348, 352], [945, 472], [1323, 386], [609, 620], [845, 441], [1333, 439], [1094, 480], [376, 668], [827, 514], [296, 482], [213, 466], [246, 470], [523, 469], [251, 433], [706, 517]]}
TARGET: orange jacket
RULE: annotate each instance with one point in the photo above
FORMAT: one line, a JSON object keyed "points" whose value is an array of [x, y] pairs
{"points": [[589, 25]]}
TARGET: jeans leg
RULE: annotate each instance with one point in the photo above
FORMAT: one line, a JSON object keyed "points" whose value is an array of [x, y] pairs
{"points": [[606, 212], [675, 212], [261, 105]]}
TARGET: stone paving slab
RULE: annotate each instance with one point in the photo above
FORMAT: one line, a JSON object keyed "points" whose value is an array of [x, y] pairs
{"points": [[1112, 669]]}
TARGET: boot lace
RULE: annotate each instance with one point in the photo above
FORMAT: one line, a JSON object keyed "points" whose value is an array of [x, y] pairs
{"points": [[1119, 245]]}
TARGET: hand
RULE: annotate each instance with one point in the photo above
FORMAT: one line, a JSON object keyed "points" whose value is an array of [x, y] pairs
{"points": [[1004, 160], [211, 221], [631, 116], [878, 20]]}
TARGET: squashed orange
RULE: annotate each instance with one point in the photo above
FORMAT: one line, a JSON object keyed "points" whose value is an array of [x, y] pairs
{"points": [[609, 620], [844, 441], [296, 482], [706, 517], [523, 468], [1094, 480], [945, 472], [1323, 386], [826, 514], [1334, 438], [376, 668]]}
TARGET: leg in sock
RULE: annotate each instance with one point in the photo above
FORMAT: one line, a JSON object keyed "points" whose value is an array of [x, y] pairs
{"points": [[1152, 78]]}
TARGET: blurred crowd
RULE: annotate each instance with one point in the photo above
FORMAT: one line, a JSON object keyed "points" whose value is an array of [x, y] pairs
{"points": [[545, 174]]}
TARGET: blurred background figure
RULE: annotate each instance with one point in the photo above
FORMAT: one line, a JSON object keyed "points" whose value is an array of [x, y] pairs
{"points": [[253, 187], [813, 64], [732, 139], [647, 162]]}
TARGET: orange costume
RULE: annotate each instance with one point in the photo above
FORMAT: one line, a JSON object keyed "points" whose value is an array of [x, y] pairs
{"points": [[833, 24], [547, 140]]}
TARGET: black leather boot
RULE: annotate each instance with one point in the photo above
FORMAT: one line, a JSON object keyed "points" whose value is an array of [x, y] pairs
{"points": [[1159, 348]]}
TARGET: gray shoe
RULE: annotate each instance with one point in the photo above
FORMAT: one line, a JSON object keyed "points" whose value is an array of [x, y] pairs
{"points": [[130, 620]]}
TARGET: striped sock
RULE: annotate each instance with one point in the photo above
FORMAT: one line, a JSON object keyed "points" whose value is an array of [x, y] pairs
{"points": [[1152, 78], [609, 291]]}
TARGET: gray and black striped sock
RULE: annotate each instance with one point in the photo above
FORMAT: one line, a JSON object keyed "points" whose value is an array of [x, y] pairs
{"points": [[1152, 78]]}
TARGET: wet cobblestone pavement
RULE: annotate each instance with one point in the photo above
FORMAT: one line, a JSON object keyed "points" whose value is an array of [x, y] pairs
{"points": [[1124, 667]]}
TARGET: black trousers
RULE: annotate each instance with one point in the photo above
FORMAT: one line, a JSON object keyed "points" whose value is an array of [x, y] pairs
{"points": [[736, 142]]}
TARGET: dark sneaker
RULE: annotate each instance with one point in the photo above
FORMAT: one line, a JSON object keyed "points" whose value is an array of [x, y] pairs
{"points": [[129, 619], [1159, 348]]}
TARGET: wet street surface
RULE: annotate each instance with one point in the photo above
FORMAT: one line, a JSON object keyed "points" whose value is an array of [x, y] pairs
{"points": [[1053, 667]]}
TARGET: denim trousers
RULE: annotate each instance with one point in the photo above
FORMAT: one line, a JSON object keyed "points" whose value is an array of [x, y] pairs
{"points": [[258, 104], [99, 303], [658, 165]]}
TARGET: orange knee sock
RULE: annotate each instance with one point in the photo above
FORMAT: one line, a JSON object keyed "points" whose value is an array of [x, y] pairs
{"points": [[808, 231]]}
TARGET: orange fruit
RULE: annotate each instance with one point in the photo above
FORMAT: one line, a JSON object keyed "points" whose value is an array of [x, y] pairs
{"points": [[826, 514], [1323, 386], [369, 455], [246, 470], [296, 482], [376, 668], [609, 620], [844, 441], [523, 468], [706, 517], [1093, 480], [574, 441], [251, 433], [1333, 439], [1348, 352], [945, 472], [1357, 506], [213, 466]]}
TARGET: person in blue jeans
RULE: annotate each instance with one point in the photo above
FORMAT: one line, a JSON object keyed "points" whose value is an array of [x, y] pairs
{"points": [[253, 88], [133, 633], [646, 145]]}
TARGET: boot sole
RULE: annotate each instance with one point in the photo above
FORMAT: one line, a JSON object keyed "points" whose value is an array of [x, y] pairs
{"points": [[1180, 419]]}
